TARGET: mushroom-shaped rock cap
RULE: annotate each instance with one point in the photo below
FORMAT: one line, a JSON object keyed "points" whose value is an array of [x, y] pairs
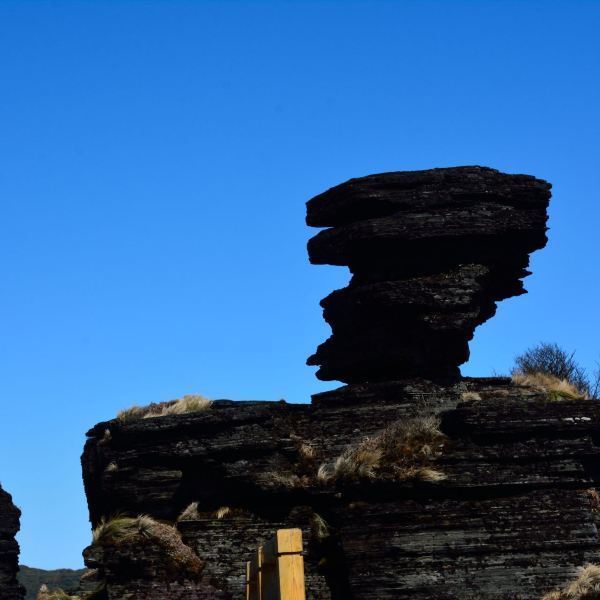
{"points": [[431, 253], [387, 193]]}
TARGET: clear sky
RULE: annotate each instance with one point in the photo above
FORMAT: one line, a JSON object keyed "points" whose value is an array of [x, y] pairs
{"points": [[155, 158]]}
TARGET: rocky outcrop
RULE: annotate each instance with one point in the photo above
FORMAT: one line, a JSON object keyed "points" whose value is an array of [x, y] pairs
{"points": [[512, 517], [408, 483], [10, 589], [431, 252]]}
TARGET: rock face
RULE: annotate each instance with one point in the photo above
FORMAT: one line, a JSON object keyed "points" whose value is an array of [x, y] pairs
{"points": [[431, 252], [10, 589], [514, 516], [408, 483]]}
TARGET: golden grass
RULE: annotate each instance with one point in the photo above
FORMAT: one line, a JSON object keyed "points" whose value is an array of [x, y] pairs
{"points": [[58, 594], [188, 404], [222, 512], [470, 396], [189, 513], [306, 451], [283, 481], [556, 389], [123, 530], [319, 527], [122, 527], [585, 587], [403, 451]]}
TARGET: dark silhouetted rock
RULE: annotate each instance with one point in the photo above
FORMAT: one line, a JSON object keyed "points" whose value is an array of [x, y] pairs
{"points": [[10, 589], [431, 252], [498, 501]]}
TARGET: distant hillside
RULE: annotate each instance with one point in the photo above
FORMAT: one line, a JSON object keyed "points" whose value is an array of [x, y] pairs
{"points": [[32, 579]]}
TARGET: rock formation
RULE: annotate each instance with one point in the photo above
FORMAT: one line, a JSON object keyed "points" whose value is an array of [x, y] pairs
{"points": [[405, 487], [431, 252], [10, 589], [514, 516]]}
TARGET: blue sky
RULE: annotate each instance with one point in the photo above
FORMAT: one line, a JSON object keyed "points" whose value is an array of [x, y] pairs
{"points": [[155, 158]]}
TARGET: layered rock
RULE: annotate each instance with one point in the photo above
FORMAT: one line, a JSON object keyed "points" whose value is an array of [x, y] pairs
{"points": [[409, 483], [10, 589], [431, 252], [512, 516]]}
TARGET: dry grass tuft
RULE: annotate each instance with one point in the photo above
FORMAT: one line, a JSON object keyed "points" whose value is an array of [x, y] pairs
{"points": [[188, 404], [190, 513], [122, 530], [403, 451], [306, 451], [58, 594], [585, 587], [594, 496], [470, 396], [283, 481], [222, 512], [319, 527], [557, 389], [121, 527]]}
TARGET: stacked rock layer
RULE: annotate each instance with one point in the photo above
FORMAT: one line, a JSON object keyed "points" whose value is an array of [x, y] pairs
{"points": [[515, 516], [10, 589], [431, 252]]}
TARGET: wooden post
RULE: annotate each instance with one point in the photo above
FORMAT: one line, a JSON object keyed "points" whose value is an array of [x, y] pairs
{"points": [[283, 567], [254, 576]]}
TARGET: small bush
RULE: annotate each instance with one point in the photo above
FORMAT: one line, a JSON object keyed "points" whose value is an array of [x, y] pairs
{"points": [[188, 404], [585, 587], [551, 359], [555, 388], [403, 451]]}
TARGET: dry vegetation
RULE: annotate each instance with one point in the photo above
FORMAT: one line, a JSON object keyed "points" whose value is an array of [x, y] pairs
{"points": [[188, 404], [190, 513], [585, 587], [46, 594], [58, 594], [403, 451], [594, 497], [556, 389], [144, 529], [222, 512], [284, 481], [569, 380], [319, 527]]}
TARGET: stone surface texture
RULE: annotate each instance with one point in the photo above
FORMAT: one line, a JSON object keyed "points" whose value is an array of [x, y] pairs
{"points": [[431, 252], [514, 517], [10, 589]]}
